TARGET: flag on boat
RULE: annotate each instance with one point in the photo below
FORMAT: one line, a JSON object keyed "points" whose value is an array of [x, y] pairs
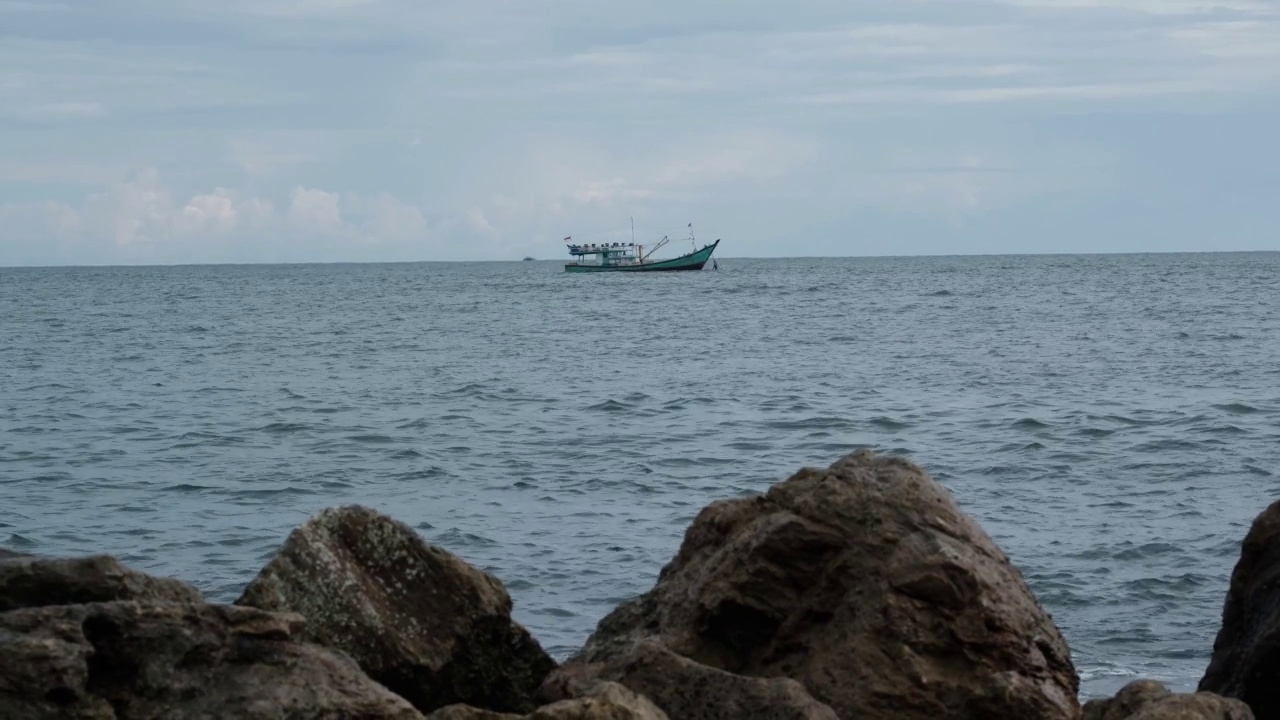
{"points": [[569, 238]]}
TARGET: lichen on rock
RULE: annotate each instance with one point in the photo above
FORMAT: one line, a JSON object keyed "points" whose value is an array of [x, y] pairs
{"points": [[417, 618]]}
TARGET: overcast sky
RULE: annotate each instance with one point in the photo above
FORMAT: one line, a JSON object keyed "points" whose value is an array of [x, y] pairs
{"points": [[161, 131]]}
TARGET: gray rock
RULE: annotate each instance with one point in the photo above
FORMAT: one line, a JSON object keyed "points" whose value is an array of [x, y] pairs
{"points": [[867, 585], [128, 660], [603, 701], [417, 618], [1246, 652], [30, 581], [1149, 700], [689, 690]]}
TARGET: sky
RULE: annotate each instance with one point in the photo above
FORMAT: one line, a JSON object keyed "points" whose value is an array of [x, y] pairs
{"points": [[185, 131]]}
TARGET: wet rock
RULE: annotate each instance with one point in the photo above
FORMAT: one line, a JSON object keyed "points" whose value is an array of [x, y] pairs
{"points": [[130, 659], [686, 689], [865, 583], [417, 619], [603, 701], [31, 581], [1246, 652], [1149, 700]]}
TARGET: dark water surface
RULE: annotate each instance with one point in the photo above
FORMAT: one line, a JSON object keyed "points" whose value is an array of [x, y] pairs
{"points": [[1113, 422]]}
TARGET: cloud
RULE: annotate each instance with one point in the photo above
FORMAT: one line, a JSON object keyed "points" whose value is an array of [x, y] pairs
{"points": [[138, 219]]}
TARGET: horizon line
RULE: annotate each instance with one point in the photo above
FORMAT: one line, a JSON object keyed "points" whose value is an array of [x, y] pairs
{"points": [[734, 257]]}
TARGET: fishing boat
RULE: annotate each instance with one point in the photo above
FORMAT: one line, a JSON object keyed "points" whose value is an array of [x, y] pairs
{"points": [[631, 257]]}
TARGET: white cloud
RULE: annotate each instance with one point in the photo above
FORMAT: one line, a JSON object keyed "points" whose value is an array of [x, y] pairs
{"points": [[315, 211], [139, 220]]}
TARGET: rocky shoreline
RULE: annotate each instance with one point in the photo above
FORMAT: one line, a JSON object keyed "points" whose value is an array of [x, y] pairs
{"points": [[856, 591]]}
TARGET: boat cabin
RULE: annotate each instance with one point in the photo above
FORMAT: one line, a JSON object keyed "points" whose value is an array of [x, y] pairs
{"points": [[607, 254]]}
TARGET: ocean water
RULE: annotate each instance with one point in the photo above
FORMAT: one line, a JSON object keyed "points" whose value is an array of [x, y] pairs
{"points": [[1112, 421]]}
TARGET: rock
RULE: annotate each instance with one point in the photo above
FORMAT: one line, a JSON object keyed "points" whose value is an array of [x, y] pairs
{"points": [[1246, 652], [417, 619], [689, 690], [142, 659], [1131, 698], [865, 583], [467, 712], [31, 581], [1149, 700], [603, 701]]}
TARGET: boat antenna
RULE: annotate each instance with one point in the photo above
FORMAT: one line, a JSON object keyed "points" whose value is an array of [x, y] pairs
{"points": [[633, 231]]}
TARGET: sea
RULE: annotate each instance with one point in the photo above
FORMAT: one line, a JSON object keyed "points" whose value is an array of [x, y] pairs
{"points": [[1112, 421]]}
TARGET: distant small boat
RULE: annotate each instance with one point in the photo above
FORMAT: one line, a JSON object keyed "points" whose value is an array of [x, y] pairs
{"points": [[630, 257], [527, 258]]}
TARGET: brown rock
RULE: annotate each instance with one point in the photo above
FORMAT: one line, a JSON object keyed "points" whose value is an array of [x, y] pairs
{"points": [[416, 618], [1246, 653], [689, 690], [128, 659], [1149, 700], [31, 581], [466, 712], [865, 583], [603, 701]]}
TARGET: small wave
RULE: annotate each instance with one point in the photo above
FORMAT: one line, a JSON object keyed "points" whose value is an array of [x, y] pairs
{"points": [[1225, 430], [273, 492], [1148, 550], [20, 541], [455, 538], [889, 423], [941, 293], [554, 612], [468, 390], [372, 438], [609, 406], [47, 386], [1236, 408], [1094, 432], [281, 428], [188, 487], [421, 474], [818, 422], [1030, 424]]}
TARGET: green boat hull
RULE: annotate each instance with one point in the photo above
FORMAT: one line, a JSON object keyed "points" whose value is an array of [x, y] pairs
{"points": [[693, 261]]}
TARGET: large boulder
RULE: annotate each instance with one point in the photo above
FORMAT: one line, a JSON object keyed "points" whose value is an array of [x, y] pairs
{"points": [[1246, 653], [1149, 700], [417, 619], [176, 660], [865, 583], [604, 701], [33, 581]]}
